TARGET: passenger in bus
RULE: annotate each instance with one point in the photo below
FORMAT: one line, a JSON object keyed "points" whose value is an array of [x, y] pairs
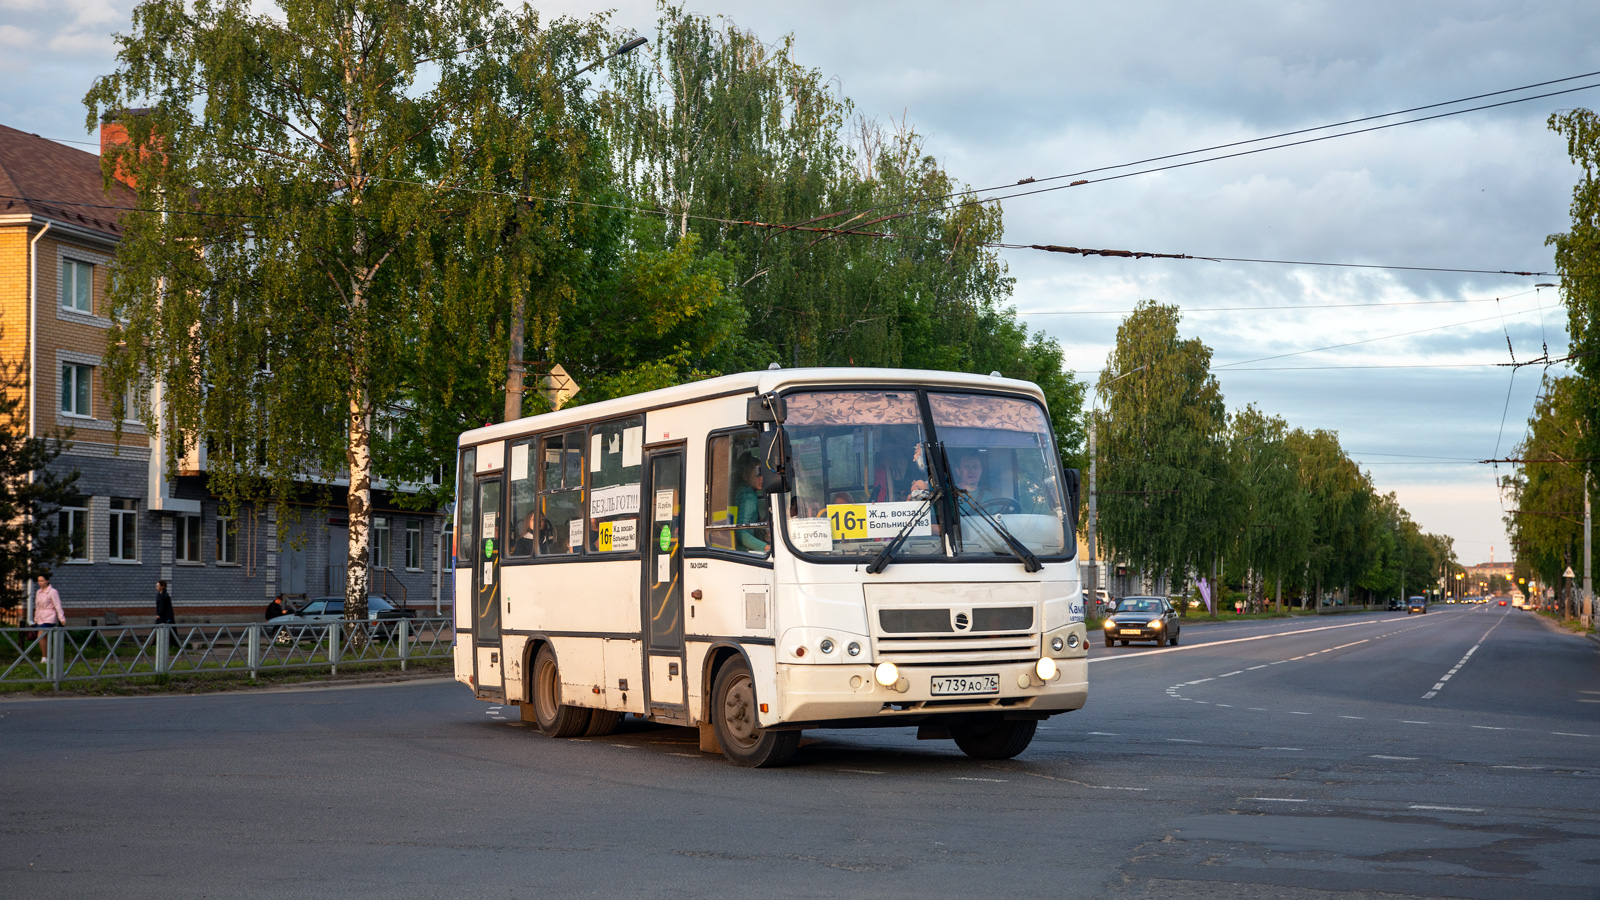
{"points": [[967, 469], [899, 474], [750, 504], [527, 536]]}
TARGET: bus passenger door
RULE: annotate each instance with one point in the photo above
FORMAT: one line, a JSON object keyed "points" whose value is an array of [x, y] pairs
{"points": [[663, 587], [486, 588]]}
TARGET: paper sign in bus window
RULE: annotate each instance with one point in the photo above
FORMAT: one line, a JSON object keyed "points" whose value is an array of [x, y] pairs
{"points": [[877, 521], [575, 532], [519, 462], [811, 535], [617, 500], [620, 535], [632, 446], [664, 505]]}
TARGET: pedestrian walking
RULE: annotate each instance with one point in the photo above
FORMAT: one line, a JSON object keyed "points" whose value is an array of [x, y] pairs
{"points": [[47, 613], [276, 608], [164, 613]]}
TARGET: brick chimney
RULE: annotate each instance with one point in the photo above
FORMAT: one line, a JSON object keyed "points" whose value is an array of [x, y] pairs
{"points": [[113, 133]]}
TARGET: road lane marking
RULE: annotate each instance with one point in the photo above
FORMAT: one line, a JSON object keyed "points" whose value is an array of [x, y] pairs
{"points": [[1238, 671], [1185, 741], [1414, 722], [1253, 668], [1255, 709], [1470, 650], [1259, 637], [686, 755], [1349, 717], [1444, 808], [990, 780], [1570, 734], [1200, 681], [1226, 705], [861, 771], [1488, 728], [1517, 767], [1107, 733], [1274, 799], [1295, 712], [1438, 687], [1300, 749], [1381, 756]]}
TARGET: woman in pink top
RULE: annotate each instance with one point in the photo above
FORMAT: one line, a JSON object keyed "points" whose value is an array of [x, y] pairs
{"points": [[47, 612]]}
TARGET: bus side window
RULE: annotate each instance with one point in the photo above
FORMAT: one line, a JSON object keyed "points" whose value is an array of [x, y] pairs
{"points": [[560, 512], [737, 509], [466, 506], [524, 531], [616, 463]]}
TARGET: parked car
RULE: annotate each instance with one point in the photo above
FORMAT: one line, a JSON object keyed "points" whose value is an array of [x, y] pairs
{"points": [[1416, 605], [1142, 619], [323, 610], [1395, 605]]}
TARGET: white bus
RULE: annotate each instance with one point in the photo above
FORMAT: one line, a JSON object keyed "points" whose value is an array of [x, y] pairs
{"points": [[761, 553]]}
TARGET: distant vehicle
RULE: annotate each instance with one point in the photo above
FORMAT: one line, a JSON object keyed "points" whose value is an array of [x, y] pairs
{"points": [[1502, 603], [1416, 605], [1142, 619], [323, 610], [1395, 605]]}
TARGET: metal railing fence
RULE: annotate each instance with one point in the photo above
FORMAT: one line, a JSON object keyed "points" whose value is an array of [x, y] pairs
{"points": [[107, 652]]}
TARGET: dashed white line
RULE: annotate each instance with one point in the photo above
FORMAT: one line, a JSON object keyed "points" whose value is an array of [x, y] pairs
{"points": [[1488, 728], [861, 771], [1238, 671], [1381, 756], [1296, 712], [990, 780], [1107, 733], [1255, 709], [1299, 749], [1274, 799], [1349, 717], [1253, 668], [1444, 808], [1570, 734], [1414, 722], [1184, 741]]}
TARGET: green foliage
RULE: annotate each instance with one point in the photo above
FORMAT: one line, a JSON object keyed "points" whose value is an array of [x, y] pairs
{"points": [[29, 543], [1274, 506], [1546, 517], [1163, 475], [1578, 261]]}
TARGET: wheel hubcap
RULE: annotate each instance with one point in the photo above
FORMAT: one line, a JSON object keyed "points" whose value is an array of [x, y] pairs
{"points": [[738, 713]]}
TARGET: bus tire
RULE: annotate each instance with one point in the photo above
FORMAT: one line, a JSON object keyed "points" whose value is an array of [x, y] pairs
{"points": [[602, 722], [551, 715], [996, 739], [733, 707]]}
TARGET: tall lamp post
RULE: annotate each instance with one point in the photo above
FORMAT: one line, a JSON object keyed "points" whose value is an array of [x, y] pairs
{"points": [[1094, 468], [515, 365]]}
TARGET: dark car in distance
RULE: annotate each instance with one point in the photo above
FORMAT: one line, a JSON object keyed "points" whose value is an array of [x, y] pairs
{"points": [[1416, 605], [323, 610], [1142, 619]]}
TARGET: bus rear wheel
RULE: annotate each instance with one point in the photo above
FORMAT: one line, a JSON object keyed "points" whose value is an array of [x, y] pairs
{"points": [[550, 714], [995, 738], [733, 706]]}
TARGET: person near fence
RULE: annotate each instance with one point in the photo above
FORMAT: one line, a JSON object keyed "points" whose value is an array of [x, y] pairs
{"points": [[277, 608], [164, 613], [47, 613]]}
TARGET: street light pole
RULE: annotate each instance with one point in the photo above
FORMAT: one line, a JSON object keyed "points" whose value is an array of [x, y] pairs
{"points": [[1588, 585]]}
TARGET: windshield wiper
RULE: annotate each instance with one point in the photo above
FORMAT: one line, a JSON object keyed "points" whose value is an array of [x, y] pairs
{"points": [[1030, 562], [886, 555]]}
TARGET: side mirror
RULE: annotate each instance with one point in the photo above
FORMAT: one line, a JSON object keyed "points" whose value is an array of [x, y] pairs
{"points": [[765, 408], [775, 455]]}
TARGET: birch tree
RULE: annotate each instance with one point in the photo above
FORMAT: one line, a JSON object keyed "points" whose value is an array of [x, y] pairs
{"points": [[291, 167]]}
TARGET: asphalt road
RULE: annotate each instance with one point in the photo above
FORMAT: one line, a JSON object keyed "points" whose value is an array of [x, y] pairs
{"points": [[1378, 755]]}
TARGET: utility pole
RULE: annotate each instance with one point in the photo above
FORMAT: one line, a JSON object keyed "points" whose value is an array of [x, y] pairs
{"points": [[1094, 508], [1588, 585]]}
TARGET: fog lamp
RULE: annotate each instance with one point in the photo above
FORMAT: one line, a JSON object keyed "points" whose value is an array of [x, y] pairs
{"points": [[1046, 667], [886, 674]]}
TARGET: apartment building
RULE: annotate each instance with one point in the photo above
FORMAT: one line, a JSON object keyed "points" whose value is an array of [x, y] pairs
{"points": [[135, 519]]}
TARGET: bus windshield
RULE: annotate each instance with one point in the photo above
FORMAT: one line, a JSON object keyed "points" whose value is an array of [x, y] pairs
{"points": [[860, 476]]}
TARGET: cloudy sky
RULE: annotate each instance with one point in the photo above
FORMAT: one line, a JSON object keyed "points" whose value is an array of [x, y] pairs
{"points": [[1006, 91]]}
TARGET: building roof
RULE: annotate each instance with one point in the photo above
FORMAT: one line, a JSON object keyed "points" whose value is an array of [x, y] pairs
{"points": [[57, 182]]}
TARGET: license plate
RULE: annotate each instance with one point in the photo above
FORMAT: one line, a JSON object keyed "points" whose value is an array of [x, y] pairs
{"points": [[948, 685]]}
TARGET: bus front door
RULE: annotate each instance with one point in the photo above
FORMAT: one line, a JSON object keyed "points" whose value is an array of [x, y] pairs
{"points": [[486, 590], [663, 588]]}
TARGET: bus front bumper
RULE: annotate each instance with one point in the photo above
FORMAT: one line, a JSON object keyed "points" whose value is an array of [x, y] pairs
{"points": [[816, 693]]}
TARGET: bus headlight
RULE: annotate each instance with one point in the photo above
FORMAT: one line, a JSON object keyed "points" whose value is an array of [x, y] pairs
{"points": [[1056, 644], [826, 646], [853, 648], [1046, 668], [1072, 641], [887, 674]]}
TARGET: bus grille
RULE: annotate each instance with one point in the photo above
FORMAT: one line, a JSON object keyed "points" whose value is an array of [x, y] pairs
{"points": [[996, 648]]}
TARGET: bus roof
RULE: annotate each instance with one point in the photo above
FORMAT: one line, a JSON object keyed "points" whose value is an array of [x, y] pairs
{"points": [[744, 382]]}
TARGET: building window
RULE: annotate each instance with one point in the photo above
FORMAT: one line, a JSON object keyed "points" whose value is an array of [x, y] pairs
{"points": [[124, 529], [76, 389], [227, 541], [380, 542], [413, 545], [72, 521], [77, 286], [187, 547]]}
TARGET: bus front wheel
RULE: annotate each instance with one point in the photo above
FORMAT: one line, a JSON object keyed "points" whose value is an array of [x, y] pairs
{"points": [[994, 739], [550, 714], [733, 706]]}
